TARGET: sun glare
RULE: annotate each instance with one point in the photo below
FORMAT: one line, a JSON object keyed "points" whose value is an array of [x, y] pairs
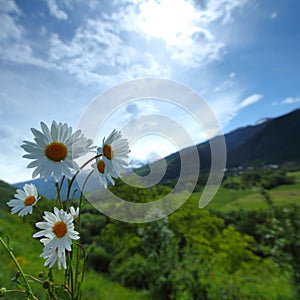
{"points": [[151, 147], [166, 19]]}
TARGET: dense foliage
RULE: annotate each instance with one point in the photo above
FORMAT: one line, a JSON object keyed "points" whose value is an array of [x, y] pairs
{"points": [[194, 253], [197, 254], [266, 178]]}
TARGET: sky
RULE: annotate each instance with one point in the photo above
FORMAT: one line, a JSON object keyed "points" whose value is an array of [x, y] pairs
{"points": [[56, 58]]}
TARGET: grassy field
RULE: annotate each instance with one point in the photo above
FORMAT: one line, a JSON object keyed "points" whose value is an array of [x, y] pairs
{"points": [[97, 286], [27, 250], [251, 199]]}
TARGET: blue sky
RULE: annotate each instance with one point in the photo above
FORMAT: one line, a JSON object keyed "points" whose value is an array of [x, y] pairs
{"points": [[241, 56]]}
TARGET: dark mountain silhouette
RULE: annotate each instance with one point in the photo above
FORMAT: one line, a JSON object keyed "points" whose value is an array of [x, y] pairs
{"points": [[7, 192], [274, 141]]}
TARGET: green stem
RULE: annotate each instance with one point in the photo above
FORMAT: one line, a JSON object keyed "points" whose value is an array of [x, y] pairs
{"points": [[34, 279], [71, 277], [9, 251], [50, 275], [81, 200], [58, 195], [62, 182], [39, 211], [75, 175], [14, 291], [78, 228], [84, 260]]}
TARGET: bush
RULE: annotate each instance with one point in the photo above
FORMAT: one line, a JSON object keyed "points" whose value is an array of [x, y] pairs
{"points": [[98, 259], [132, 272]]}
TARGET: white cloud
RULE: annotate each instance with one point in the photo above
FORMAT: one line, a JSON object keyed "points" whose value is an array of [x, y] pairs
{"points": [[139, 108], [273, 15], [94, 44], [55, 11], [290, 100], [224, 85], [227, 104], [107, 48], [186, 27], [182, 28], [250, 100], [98, 53], [220, 9], [9, 7], [10, 30], [99, 44], [22, 53], [13, 44]]}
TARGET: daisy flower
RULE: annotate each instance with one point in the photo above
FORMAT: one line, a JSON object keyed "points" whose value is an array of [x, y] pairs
{"points": [[114, 152], [74, 212], [59, 229], [24, 200], [104, 173], [51, 256], [55, 149]]}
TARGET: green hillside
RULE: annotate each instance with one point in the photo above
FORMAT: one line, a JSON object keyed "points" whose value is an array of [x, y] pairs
{"points": [[7, 192], [27, 250], [252, 199], [277, 143], [239, 247], [272, 142]]}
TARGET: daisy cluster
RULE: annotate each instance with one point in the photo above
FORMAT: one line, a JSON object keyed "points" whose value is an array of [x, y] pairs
{"points": [[53, 152]]}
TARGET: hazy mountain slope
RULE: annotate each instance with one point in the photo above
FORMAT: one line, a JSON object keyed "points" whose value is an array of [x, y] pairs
{"points": [[273, 141], [7, 192], [48, 189], [277, 142]]}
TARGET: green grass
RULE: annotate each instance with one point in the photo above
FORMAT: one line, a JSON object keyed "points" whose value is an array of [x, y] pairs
{"points": [[96, 286], [27, 250], [251, 199], [225, 197]]}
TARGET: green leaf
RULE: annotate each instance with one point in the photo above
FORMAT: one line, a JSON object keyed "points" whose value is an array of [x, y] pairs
{"points": [[62, 293]]}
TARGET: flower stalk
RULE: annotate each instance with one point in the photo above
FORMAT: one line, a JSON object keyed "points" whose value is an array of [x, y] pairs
{"points": [[10, 253]]}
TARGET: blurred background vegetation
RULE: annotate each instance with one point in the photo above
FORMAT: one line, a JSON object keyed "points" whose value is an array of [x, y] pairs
{"points": [[243, 245]]}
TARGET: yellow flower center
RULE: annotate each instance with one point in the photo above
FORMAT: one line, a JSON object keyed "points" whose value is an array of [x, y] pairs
{"points": [[29, 200], [101, 166], [60, 229], [107, 151], [56, 151]]}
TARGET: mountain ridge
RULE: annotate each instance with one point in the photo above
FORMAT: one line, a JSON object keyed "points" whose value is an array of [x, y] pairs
{"points": [[273, 141], [248, 145]]}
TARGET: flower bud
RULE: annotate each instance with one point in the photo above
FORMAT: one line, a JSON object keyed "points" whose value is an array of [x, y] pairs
{"points": [[46, 284]]}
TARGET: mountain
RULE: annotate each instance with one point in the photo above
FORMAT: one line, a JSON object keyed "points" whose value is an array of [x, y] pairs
{"points": [[7, 192], [48, 189], [276, 142], [271, 141]]}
